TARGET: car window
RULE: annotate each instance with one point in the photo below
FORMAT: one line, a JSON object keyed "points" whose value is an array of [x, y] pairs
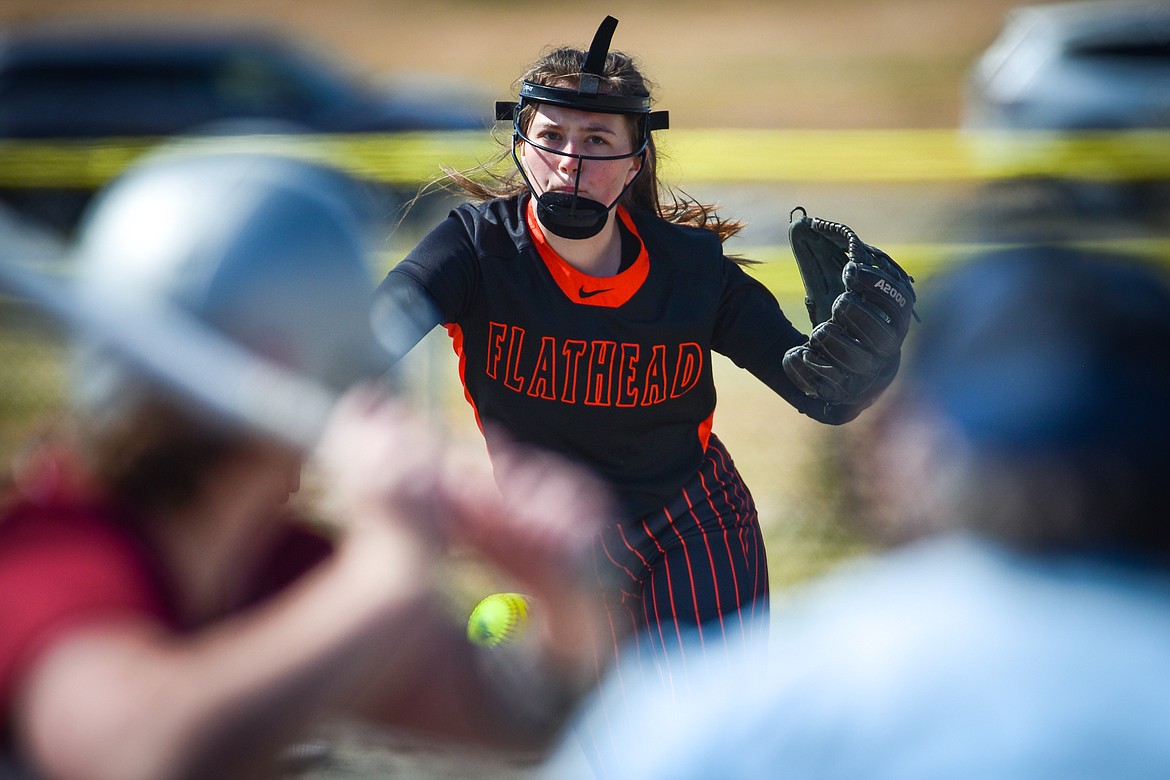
{"points": [[1136, 51]]}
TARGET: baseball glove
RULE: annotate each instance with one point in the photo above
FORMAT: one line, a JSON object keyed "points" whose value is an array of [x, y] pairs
{"points": [[860, 303]]}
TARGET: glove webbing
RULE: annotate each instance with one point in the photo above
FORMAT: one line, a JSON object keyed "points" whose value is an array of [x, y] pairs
{"points": [[851, 251], [841, 230]]}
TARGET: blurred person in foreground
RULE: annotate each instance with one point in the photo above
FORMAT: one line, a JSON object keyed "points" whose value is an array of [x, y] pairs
{"points": [[1020, 626], [162, 612]]}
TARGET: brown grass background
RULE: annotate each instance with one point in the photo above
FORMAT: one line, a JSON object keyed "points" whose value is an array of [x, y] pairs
{"points": [[753, 63]]}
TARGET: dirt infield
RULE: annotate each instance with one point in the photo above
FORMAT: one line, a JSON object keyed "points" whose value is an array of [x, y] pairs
{"points": [[358, 752]]}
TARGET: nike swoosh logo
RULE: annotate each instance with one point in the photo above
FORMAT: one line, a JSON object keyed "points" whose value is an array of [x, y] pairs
{"points": [[583, 293]]}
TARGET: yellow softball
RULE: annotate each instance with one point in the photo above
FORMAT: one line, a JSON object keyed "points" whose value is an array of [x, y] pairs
{"points": [[498, 618]]}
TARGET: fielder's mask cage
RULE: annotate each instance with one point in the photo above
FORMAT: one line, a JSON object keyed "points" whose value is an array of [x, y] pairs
{"points": [[567, 214]]}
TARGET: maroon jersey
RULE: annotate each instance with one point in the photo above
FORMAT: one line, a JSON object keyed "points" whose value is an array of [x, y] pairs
{"points": [[69, 559], [612, 371]]}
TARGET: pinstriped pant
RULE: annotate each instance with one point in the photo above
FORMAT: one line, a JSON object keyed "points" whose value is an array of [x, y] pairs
{"points": [[692, 573]]}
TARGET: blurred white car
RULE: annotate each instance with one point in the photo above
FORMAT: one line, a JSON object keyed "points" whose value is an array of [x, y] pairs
{"points": [[1075, 66]]}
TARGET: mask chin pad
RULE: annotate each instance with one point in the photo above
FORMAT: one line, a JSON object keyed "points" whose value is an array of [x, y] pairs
{"points": [[570, 216]]}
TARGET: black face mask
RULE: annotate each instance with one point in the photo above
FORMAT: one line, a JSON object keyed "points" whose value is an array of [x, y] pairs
{"points": [[568, 214]]}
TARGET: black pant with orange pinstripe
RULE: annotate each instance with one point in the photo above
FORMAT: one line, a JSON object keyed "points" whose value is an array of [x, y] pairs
{"points": [[692, 573]]}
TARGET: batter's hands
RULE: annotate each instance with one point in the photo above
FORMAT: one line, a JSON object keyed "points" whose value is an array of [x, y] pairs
{"points": [[536, 516], [393, 479], [378, 458], [538, 520]]}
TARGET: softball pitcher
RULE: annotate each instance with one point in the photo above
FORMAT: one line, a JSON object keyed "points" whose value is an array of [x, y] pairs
{"points": [[584, 307]]}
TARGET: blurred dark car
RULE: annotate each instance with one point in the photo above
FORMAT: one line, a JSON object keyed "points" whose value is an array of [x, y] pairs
{"points": [[1077, 66], [128, 81]]}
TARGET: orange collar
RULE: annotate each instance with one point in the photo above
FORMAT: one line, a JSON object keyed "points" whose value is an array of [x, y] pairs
{"points": [[579, 287]]}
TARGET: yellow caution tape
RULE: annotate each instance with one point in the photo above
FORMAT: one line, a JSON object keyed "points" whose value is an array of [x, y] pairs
{"points": [[692, 156], [777, 269], [915, 155]]}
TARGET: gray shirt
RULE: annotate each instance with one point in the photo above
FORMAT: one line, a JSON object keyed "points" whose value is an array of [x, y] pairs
{"points": [[952, 658]]}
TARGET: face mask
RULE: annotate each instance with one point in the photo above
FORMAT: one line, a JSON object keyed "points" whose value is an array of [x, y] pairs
{"points": [[567, 214]]}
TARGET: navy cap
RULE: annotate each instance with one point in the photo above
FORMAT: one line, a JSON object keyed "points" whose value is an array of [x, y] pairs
{"points": [[1048, 350]]}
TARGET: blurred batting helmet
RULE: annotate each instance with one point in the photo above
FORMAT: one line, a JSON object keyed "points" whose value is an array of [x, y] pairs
{"points": [[240, 281]]}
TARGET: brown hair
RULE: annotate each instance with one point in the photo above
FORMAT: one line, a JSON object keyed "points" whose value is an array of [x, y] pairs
{"points": [[154, 457], [561, 67]]}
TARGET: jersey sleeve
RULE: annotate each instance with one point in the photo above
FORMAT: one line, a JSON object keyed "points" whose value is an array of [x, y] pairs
{"points": [[55, 574], [432, 285], [753, 331]]}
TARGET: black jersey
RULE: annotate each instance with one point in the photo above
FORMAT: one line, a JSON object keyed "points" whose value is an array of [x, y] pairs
{"points": [[612, 371]]}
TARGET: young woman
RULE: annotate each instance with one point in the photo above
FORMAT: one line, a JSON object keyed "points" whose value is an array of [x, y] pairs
{"points": [[584, 308]]}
